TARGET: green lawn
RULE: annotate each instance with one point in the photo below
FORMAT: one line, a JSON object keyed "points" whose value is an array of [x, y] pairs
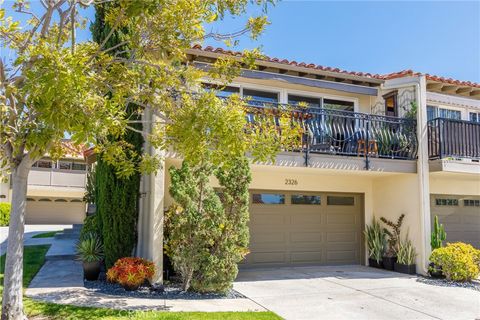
{"points": [[33, 261], [50, 234]]}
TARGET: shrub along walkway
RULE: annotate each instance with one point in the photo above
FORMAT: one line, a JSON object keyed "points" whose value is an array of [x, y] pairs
{"points": [[61, 281]]}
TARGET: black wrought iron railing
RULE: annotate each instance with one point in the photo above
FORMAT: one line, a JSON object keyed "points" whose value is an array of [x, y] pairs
{"points": [[348, 133], [450, 138]]}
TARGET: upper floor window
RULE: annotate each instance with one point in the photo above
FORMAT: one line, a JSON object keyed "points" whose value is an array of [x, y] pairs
{"points": [[222, 91], [63, 165], [436, 112], [43, 164], [474, 116], [391, 108], [338, 104], [308, 101], [263, 96]]}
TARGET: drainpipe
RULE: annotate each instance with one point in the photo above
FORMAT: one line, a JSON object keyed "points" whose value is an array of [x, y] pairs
{"points": [[422, 163]]}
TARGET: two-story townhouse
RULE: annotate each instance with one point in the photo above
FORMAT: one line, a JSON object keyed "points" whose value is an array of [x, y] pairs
{"points": [[373, 145], [55, 189]]}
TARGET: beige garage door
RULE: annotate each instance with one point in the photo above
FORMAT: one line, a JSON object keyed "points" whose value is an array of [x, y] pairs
{"points": [[460, 215], [54, 211], [295, 228]]}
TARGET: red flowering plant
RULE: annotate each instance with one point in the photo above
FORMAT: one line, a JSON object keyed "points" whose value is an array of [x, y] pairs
{"points": [[131, 272]]}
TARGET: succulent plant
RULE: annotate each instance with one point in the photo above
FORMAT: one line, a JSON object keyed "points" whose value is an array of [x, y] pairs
{"points": [[393, 235], [90, 248], [375, 237], [438, 235]]}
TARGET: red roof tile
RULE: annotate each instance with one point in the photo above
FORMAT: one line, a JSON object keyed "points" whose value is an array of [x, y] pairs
{"points": [[394, 75], [290, 63]]}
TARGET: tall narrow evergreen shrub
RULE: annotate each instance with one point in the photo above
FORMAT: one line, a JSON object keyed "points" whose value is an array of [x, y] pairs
{"points": [[117, 198]]}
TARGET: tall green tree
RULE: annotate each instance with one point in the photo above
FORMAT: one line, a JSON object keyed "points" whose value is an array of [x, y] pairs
{"points": [[117, 196], [206, 231], [56, 84]]}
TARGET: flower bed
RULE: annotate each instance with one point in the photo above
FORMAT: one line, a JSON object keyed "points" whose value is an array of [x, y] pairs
{"points": [[172, 290]]}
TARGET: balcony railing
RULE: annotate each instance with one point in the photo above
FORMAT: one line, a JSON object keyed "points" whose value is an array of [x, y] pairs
{"points": [[348, 133], [449, 138]]}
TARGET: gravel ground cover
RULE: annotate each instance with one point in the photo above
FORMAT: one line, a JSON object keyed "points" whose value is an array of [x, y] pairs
{"points": [[474, 285], [171, 290]]}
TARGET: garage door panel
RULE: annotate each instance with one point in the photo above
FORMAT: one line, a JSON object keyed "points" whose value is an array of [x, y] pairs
{"points": [[267, 219], [336, 218], [267, 257], [54, 212], [305, 218], [472, 220], [342, 237], [306, 257], [341, 256], [461, 222], [308, 234]]}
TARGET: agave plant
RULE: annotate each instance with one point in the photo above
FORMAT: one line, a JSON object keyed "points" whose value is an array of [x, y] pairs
{"points": [[406, 252], [90, 248], [375, 236]]}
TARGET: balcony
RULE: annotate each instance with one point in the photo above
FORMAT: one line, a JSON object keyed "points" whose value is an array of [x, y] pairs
{"points": [[56, 178], [345, 133], [453, 139]]}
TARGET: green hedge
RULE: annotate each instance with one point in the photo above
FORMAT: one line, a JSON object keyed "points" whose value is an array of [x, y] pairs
{"points": [[5, 208]]}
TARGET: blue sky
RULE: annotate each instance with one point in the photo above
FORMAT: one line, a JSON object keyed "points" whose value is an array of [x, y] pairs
{"points": [[437, 37]]}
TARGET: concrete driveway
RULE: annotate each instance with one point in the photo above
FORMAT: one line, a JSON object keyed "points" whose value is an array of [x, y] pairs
{"points": [[354, 292]]}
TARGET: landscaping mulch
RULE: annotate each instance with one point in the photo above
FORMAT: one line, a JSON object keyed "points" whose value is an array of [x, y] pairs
{"points": [[171, 290], [474, 285]]}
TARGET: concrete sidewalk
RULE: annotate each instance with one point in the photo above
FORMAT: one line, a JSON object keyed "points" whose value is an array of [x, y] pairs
{"points": [[30, 231], [60, 281]]}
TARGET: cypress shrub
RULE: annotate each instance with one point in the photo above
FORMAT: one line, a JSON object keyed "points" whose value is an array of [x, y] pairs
{"points": [[117, 198]]}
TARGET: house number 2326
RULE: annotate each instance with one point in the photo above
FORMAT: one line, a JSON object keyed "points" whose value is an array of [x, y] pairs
{"points": [[291, 182]]}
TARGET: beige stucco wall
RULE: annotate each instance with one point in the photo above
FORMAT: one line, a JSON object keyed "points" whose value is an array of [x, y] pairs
{"points": [[455, 184], [385, 194], [396, 195]]}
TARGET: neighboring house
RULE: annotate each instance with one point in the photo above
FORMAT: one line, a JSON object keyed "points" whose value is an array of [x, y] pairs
{"points": [[362, 156], [55, 189]]}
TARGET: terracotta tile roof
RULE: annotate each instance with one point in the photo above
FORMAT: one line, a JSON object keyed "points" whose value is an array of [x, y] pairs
{"points": [[400, 74], [72, 150], [290, 63], [431, 77]]}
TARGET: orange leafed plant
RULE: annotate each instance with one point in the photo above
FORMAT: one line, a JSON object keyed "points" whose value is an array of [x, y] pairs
{"points": [[131, 272]]}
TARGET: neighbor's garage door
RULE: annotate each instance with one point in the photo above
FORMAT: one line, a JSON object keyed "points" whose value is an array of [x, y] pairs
{"points": [[460, 215], [304, 228], [54, 211]]}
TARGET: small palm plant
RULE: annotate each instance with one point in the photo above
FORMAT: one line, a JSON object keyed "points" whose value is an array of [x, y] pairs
{"points": [[90, 252], [375, 237]]}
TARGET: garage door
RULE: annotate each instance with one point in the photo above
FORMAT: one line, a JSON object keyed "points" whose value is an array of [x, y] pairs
{"points": [[54, 211], [460, 216], [289, 228]]}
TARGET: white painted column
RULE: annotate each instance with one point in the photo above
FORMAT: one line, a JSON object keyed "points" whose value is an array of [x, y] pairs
{"points": [[423, 170], [150, 221]]}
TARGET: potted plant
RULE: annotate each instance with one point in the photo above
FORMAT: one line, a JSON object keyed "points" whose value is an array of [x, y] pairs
{"points": [[90, 252], [436, 241], [390, 256], [375, 237], [131, 272], [405, 257]]}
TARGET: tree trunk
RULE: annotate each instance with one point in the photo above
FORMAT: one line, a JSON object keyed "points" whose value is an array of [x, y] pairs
{"points": [[12, 305]]}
